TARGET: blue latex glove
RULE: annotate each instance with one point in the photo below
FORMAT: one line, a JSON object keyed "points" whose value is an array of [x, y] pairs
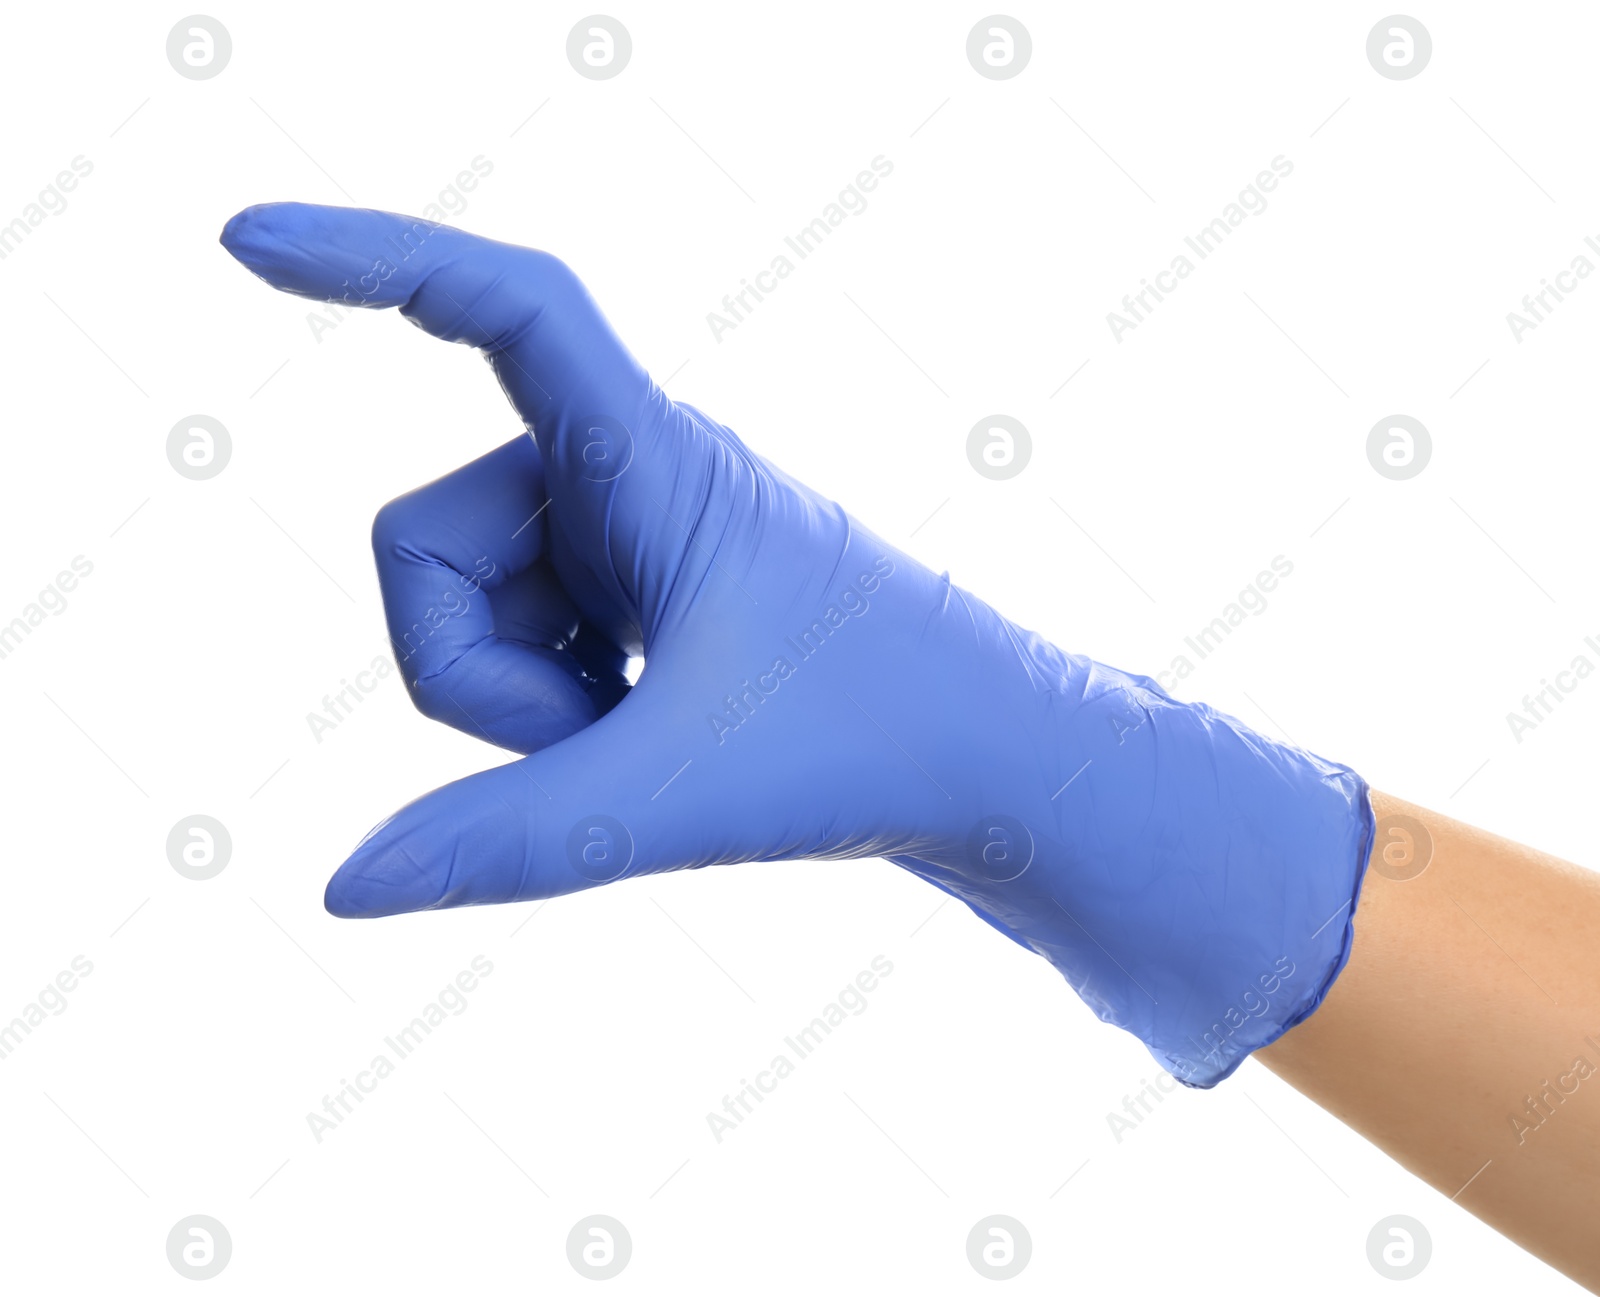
{"points": [[809, 690]]}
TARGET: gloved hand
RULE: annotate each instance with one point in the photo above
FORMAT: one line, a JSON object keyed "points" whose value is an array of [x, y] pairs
{"points": [[808, 691]]}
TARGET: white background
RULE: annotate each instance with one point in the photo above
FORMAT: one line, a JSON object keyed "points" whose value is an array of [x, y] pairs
{"points": [[178, 679]]}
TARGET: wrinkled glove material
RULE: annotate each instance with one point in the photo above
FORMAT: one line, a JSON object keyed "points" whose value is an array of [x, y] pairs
{"points": [[809, 691]]}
